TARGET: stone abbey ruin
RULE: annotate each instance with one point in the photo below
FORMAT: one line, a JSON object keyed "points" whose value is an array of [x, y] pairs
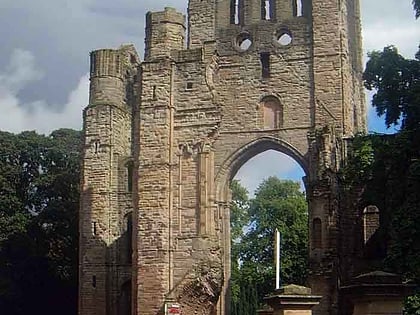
{"points": [[164, 136]]}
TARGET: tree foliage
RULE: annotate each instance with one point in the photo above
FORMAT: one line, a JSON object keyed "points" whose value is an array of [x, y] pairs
{"points": [[39, 197], [397, 84], [277, 204], [393, 172], [416, 5], [239, 207], [239, 219], [388, 167]]}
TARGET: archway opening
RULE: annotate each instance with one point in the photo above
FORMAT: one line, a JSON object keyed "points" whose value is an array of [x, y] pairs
{"points": [[268, 194]]}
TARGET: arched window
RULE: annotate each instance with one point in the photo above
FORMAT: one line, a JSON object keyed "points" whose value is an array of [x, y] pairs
{"points": [[96, 146], [265, 64], [370, 222], [316, 233], [272, 112], [267, 10], [297, 7], [235, 11]]}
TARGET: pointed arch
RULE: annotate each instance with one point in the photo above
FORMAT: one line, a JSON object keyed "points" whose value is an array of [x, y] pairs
{"points": [[126, 169], [234, 162], [371, 223]]}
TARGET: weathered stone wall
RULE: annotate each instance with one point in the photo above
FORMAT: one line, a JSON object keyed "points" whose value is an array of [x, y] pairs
{"points": [[186, 120], [165, 31], [105, 200], [201, 22]]}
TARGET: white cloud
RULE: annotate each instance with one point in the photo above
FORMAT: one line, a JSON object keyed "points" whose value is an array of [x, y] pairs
{"points": [[36, 115], [59, 35], [385, 23], [405, 38], [20, 71], [390, 22]]}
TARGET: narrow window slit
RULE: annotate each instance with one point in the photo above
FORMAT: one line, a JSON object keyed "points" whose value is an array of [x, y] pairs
{"points": [[265, 65], [154, 92], [96, 145], [235, 12], [317, 233], [297, 8], [129, 228], [266, 10], [130, 177], [94, 281], [94, 230]]}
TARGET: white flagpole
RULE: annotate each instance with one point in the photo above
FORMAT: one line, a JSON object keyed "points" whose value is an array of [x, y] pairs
{"points": [[277, 259]]}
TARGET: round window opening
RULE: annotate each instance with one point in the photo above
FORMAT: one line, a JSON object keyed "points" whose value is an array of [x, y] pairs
{"points": [[284, 39], [243, 42]]}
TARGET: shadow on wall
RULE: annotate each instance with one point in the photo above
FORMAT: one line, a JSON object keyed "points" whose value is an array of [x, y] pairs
{"points": [[105, 280]]}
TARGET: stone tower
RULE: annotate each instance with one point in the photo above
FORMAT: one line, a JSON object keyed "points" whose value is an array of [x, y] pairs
{"points": [[165, 136]]}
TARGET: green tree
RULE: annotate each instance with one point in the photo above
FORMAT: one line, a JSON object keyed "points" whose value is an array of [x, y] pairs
{"points": [[239, 219], [396, 81], [390, 172], [277, 204], [239, 206], [395, 168], [416, 5], [39, 197]]}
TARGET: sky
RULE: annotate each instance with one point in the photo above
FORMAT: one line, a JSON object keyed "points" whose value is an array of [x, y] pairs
{"points": [[44, 60]]}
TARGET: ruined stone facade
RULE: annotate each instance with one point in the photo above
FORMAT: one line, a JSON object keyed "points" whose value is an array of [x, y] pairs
{"points": [[165, 135]]}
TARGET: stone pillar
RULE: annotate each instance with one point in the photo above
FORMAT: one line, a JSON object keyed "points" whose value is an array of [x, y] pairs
{"points": [[105, 199], [291, 300], [201, 22], [165, 31], [377, 293], [155, 156]]}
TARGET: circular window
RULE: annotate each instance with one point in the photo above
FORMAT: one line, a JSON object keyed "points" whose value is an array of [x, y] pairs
{"points": [[284, 38], [243, 42]]}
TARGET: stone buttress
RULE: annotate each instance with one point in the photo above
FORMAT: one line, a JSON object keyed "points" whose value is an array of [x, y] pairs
{"points": [[106, 185]]}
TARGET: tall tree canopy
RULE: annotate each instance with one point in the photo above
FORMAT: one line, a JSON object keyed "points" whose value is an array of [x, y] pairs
{"points": [[388, 167], [396, 81], [391, 164], [416, 5], [39, 198], [278, 204]]}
